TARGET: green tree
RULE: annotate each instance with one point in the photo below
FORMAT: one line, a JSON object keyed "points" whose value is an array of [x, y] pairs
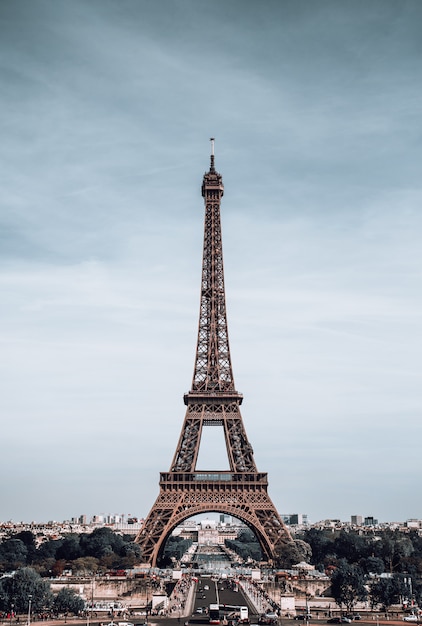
{"points": [[348, 585], [175, 548], [68, 601], [387, 591], [25, 584], [13, 554], [29, 540], [85, 565], [130, 555], [395, 549], [101, 542], [350, 546], [304, 550], [321, 546], [69, 549], [403, 551], [45, 568], [289, 555], [372, 565], [48, 550], [246, 535]]}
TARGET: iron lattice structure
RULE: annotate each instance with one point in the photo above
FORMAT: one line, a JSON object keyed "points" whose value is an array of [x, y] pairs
{"points": [[213, 400]]}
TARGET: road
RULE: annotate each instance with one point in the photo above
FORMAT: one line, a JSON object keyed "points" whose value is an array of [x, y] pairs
{"points": [[222, 592], [199, 619]]}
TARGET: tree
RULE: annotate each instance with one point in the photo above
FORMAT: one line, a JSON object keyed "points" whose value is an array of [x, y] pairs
{"points": [[350, 546], [395, 549], [304, 550], [85, 565], [48, 550], [403, 550], [13, 554], [131, 554], [29, 540], [68, 601], [70, 548], [372, 565], [58, 567], [348, 585], [25, 584], [101, 542], [244, 549], [387, 591], [321, 546], [288, 556]]}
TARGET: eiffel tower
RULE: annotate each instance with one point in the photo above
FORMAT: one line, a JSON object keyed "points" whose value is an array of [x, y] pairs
{"points": [[213, 400]]}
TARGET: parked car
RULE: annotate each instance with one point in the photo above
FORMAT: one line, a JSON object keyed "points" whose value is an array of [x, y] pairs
{"points": [[304, 617], [411, 618]]}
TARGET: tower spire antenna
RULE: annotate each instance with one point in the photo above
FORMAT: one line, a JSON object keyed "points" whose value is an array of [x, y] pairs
{"points": [[212, 168]]}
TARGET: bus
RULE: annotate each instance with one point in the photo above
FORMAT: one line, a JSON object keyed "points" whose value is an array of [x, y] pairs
{"points": [[237, 614], [243, 615], [214, 614]]}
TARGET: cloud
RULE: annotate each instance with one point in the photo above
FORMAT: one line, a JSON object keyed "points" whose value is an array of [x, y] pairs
{"points": [[107, 110]]}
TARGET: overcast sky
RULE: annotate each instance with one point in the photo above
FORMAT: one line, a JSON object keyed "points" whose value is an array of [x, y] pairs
{"points": [[107, 107]]}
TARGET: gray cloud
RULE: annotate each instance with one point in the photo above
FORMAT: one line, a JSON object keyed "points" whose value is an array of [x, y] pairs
{"points": [[106, 112]]}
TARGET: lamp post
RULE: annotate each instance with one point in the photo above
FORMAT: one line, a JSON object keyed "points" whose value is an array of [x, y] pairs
{"points": [[306, 603], [29, 609]]}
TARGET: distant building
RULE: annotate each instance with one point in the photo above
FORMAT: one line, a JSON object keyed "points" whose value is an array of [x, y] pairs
{"points": [[413, 523], [208, 534], [300, 519], [331, 523], [370, 521], [357, 520]]}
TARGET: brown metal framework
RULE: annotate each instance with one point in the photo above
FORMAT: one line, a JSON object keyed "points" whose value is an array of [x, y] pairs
{"points": [[213, 401]]}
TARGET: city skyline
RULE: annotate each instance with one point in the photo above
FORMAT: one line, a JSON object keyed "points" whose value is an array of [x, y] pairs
{"points": [[107, 109], [291, 519]]}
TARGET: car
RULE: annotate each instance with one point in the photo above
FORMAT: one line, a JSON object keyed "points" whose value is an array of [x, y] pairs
{"points": [[199, 609], [411, 618], [267, 618], [345, 620], [304, 617]]}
